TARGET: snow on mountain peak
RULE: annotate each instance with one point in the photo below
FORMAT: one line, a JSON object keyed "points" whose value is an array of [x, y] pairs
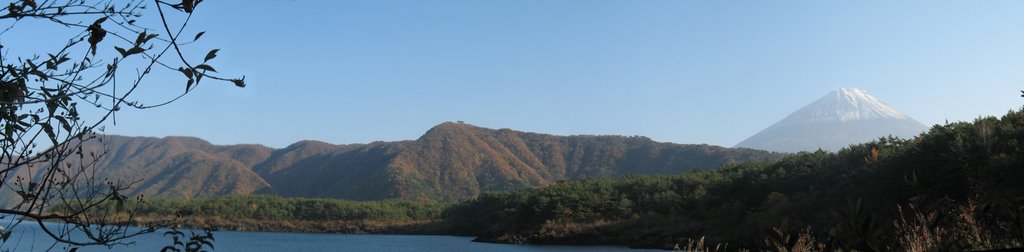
{"points": [[842, 117], [843, 104]]}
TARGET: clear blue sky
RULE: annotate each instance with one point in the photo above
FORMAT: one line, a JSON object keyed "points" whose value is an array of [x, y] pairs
{"points": [[710, 72]]}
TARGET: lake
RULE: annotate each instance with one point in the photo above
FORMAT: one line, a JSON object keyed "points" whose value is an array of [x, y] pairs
{"points": [[28, 237]]}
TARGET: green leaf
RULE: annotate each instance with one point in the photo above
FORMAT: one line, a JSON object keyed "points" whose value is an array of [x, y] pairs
{"points": [[40, 74], [96, 34], [186, 71], [122, 51], [99, 21], [135, 50], [63, 59], [51, 105], [200, 34], [55, 61], [49, 133], [63, 123], [9, 132], [50, 65], [189, 84], [206, 67], [188, 5], [210, 55], [141, 39]]}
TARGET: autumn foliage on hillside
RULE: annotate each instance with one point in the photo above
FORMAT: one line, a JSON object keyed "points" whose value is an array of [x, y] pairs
{"points": [[451, 161]]}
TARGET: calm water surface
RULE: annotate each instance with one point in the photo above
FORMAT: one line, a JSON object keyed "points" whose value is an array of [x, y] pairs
{"points": [[28, 237]]}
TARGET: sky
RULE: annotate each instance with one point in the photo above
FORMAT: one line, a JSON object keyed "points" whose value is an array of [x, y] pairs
{"points": [[712, 72]]}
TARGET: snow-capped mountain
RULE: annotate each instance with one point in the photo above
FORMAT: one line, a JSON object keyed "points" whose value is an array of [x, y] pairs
{"points": [[842, 117]]}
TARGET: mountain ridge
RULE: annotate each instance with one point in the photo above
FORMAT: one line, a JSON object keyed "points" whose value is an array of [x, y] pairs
{"points": [[450, 161]]}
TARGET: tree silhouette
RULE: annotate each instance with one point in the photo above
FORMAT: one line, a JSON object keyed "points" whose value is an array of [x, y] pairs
{"points": [[47, 147]]}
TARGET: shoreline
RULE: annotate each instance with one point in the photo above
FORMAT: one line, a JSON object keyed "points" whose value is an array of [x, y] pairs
{"points": [[435, 227], [407, 227]]}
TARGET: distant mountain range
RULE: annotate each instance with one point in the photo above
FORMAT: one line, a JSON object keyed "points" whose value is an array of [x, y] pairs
{"points": [[451, 161], [842, 117]]}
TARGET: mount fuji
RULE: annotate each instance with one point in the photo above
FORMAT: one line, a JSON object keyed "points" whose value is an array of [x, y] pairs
{"points": [[842, 117]]}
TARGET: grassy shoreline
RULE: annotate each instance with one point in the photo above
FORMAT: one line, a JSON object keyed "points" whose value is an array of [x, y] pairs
{"points": [[411, 227]]}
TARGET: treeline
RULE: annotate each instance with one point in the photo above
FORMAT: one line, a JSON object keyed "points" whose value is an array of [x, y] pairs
{"points": [[274, 208], [958, 186]]}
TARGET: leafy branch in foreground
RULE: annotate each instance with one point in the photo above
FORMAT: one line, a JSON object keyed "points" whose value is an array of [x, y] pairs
{"points": [[195, 243], [48, 149]]}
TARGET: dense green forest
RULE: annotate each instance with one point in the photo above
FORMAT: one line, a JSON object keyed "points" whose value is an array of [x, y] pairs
{"points": [[957, 186], [274, 213], [278, 208]]}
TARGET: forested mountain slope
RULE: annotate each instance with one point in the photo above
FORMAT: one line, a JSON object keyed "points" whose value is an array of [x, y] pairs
{"points": [[450, 161]]}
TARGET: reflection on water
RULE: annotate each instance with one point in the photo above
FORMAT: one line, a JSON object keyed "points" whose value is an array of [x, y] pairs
{"points": [[29, 237]]}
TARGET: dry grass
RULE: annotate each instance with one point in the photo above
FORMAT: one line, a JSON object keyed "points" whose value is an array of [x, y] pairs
{"points": [[699, 245], [921, 233], [802, 242]]}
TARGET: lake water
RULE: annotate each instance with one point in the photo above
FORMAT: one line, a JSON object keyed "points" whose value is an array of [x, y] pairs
{"points": [[28, 237]]}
